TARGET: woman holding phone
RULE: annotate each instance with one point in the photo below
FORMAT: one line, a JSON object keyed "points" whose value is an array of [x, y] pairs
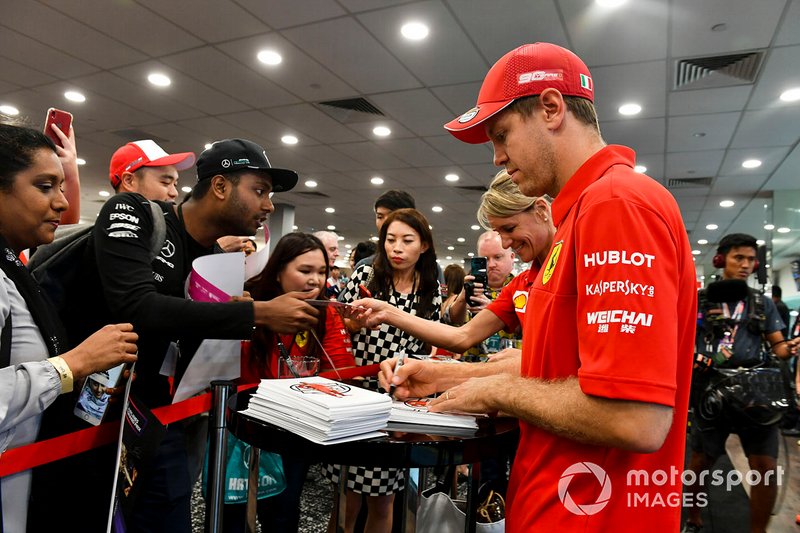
{"points": [[525, 225], [298, 263], [404, 275], [34, 370]]}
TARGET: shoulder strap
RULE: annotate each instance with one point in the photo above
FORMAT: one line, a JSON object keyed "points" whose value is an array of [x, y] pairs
{"points": [[159, 229], [5, 343]]}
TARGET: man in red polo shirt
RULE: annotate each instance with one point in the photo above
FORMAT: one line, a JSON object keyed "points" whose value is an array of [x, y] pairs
{"points": [[602, 389]]}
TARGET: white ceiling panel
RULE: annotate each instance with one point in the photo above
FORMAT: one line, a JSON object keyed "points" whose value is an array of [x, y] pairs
{"points": [[789, 32], [306, 78], [787, 175], [280, 14], [256, 124], [72, 37], [313, 123], [693, 164], [425, 58], [781, 72], [701, 132], [210, 20], [129, 23], [20, 75], [642, 134], [415, 152], [738, 184], [705, 101], [371, 155], [232, 78], [333, 159], [643, 25], [457, 98], [422, 112], [459, 152], [49, 60], [360, 58], [770, 158], [640, 83], [776, 126]]}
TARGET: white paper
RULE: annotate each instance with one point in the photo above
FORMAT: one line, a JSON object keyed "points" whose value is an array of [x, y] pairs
{"points": [[255, 263]]}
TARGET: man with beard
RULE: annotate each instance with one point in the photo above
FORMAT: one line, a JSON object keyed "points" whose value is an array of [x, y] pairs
{"points": [[232, 197]]}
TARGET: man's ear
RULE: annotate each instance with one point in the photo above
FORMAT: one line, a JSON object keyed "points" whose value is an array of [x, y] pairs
{"points": [[127, 182], [554, 108], [220, 187]]}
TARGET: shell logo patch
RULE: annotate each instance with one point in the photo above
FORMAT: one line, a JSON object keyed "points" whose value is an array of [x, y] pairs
{"points": [[550, 266], [520, 301], [301, 339]]}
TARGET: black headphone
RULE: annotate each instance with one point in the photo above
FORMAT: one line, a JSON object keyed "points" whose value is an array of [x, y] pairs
{"points": [[719, 262], [711, 404]]}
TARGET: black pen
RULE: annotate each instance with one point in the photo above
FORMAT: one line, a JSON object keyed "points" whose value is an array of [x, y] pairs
{"points": [[287, 359], [401, 357]]}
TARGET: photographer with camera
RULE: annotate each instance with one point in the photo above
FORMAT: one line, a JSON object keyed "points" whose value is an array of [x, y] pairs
{"points": [[735, 387]]}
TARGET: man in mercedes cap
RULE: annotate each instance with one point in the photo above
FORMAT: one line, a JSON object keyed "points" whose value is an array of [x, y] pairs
{"points": [[231, 197], [144, 167], [603, 383]]}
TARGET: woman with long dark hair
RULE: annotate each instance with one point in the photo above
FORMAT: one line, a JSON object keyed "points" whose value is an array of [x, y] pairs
{"points": [[404, 274], [34, 369], [298, 263]]}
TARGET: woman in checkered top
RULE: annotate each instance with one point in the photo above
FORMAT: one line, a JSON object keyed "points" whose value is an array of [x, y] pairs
{"points": [[404, 274]]}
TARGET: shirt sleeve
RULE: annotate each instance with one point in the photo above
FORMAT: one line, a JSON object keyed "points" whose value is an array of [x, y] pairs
{"points": [[773, 322], [122, 237], [627, 288], [504, 306], [359, 277], [26, 389]]}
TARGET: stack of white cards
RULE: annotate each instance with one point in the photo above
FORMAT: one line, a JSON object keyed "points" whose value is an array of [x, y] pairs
{"points": [[415, 411], [322, 410]]}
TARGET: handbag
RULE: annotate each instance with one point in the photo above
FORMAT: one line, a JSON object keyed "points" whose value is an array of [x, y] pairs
{"points": [[439, 513], [271, 480]]}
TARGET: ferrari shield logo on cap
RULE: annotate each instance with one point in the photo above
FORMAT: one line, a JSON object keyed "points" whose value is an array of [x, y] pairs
{"points": [[469, 115], [550, 265]]}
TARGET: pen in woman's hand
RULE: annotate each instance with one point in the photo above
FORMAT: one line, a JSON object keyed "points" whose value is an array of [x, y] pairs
{"points": [[364, 292], [401, 357]]}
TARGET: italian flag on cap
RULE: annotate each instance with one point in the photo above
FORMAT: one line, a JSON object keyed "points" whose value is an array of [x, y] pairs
{"points": [[586, 82]]}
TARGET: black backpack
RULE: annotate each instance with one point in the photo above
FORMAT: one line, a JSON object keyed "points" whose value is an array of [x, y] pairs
{"points": [[57, 266]]}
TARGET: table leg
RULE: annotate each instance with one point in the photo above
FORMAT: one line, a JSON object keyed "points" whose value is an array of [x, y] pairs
{"points": [[411, 498], [252, 490], [341, 511], [473, 482]]}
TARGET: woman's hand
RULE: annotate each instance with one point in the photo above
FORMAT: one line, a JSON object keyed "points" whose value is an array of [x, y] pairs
{"points": [[108, 347], [68, 156], [370, 313]]}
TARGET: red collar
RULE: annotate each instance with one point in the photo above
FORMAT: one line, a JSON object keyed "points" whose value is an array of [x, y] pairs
{"points": [[589, 172]]}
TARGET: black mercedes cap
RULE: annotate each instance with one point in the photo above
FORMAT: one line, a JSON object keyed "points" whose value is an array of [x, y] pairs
{"points": [[230, 155]]}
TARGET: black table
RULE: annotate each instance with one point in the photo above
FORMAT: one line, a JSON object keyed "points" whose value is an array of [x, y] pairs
{"points": [[396, 450]]}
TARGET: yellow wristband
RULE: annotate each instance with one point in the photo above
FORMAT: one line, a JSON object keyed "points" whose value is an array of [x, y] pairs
{"points": [[64, 373]]}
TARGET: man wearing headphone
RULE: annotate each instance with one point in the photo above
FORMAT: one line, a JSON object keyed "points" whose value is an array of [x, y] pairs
{"points": [[737, 340]]}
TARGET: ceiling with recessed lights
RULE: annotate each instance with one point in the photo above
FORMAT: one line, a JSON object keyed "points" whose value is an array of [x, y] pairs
{"points": [[353, 94]]}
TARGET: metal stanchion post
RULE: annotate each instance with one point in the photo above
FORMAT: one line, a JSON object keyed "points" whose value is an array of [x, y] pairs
{"points": [[217, 454]]}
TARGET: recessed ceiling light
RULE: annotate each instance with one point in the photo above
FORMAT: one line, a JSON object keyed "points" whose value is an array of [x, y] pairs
{"points": [[452, 177], [751, 163], [269, 57], [430, 227], [381, 131], [207, 146], [698, 134], [104, 194], [414, 31], [159, 80], [377, 180], [727, 203], [451, 247], [330, 210], [471, 254], [373, 238], [769, 227], [9, 110], [696, 252], [437, 209], [610, 3], [475, 227], [712, 227], [449, 257], [331, 227], [461, 239], [702, 241], [294, 228], [80, 161], [340, 238], [630, 109], [783, 230], [760, 242], [348, 246], [289, 139], [186, 188], [641, 169], [74, 96], [791, 95], [311, 184]]}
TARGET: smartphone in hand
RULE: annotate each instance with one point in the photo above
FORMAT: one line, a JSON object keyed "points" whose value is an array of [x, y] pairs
{"points": [[60, 118], [93, 400], [479, 270]]}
